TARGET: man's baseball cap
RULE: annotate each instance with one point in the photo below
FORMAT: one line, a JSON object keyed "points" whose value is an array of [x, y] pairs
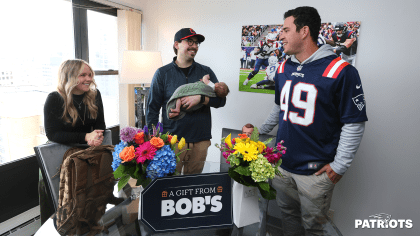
{"points": [[187, 33]]}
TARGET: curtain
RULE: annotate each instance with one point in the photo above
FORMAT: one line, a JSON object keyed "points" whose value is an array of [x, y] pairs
{"points": [[129, 38]]}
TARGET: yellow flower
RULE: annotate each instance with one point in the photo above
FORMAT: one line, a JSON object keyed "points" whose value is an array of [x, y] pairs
{"points": [[248, 150], [174, 139], [181, 143], [228, 141], [261, 146]]}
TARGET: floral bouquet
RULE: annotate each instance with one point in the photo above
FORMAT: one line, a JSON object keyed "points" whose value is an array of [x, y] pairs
{"points": [[252, 162], [145, 156]]}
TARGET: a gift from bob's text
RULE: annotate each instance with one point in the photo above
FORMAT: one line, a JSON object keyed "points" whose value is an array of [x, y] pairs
{"points": [[187, 202]]}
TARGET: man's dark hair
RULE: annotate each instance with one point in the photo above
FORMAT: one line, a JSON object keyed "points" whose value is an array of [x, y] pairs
{"points": [[306, 16], [176, 50]]}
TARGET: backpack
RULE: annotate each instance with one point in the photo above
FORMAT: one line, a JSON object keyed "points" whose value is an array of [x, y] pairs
{"points": [[86, 187]]}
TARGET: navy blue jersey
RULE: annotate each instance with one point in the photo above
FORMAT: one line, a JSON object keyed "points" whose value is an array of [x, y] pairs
{"points": [[316, 100]]}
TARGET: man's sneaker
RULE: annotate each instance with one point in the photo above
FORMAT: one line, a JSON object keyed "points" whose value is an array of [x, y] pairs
{"points": [[246, 82], [254, 86]]}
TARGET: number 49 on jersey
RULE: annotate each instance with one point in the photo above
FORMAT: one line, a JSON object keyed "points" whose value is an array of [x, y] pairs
{"points": [[298, 100]]}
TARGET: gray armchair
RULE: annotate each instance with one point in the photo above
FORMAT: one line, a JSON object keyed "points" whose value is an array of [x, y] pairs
{"points": [[50, 157]]}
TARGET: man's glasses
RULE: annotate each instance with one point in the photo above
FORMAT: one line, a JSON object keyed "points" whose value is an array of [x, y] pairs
{"points": [[191, 42]]}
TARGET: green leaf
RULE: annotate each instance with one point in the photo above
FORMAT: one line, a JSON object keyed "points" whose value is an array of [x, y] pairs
{"points": [[248, 181], [244, 180], [233, 160], [179, 153], [143, 182], [119, 172], [243, 170], [266, 142], [276, 168], [234, 175], [164, 137], [138, 172], [269, 194], [130, 168], [255, 135], [144, 166], [279, 163], [265, 186], [123, 181]]}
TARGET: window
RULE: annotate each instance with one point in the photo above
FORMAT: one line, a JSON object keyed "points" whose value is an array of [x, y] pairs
{"points": [[40, 36], [32, 51], [103, 57]]}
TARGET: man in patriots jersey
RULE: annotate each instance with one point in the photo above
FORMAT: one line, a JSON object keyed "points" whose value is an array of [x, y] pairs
{"points": [[270, 72], [320, 110], [263, 51], [346, 41]]}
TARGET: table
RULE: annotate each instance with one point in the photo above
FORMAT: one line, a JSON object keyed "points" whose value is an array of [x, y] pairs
{"points": [[123, 218]]}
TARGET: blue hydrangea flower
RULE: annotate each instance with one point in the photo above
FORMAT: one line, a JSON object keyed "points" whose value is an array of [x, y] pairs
{"points": [[163, 163], [116, 155]]}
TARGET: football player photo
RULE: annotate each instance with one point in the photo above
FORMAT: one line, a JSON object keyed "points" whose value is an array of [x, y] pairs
{"points": [[262, 51]]}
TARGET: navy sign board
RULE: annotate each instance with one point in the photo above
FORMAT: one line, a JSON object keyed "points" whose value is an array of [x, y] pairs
{"points": [[187, 202]]}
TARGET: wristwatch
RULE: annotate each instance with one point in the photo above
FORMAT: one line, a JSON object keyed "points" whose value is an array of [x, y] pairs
{"points": [[202, 99]]}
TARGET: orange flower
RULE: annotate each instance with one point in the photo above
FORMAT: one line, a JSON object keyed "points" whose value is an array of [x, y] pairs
{"points": [[157, 142], [169, 138], [127, 154], [139, 138], [242, 136]]}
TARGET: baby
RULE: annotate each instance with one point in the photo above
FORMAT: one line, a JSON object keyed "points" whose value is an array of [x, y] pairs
{"points": [[198, 88]]}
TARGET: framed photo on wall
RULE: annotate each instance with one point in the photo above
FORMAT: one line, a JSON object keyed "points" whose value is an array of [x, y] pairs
{"points": [[262, 51]]}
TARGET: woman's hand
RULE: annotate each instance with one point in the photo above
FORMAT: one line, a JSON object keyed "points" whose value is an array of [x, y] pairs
{"points": [[95, 137]]}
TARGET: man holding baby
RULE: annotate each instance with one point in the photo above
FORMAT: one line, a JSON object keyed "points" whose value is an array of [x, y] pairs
{"points": [[195, 126]]}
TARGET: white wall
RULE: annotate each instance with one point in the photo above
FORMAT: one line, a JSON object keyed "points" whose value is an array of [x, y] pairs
{"points": [[384, 177]]}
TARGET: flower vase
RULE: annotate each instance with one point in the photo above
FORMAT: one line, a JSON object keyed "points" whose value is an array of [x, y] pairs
{"points": [[245, 205]]}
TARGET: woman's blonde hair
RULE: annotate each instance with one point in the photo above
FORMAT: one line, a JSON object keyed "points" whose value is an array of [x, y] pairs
{"points": [[68, 74]]}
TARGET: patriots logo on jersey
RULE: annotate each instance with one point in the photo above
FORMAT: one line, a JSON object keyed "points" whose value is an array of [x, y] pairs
{"points": [[359, 101], [298, 74]]}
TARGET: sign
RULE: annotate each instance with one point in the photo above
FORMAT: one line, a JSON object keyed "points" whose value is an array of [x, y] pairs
{"points": [[187, 202]]}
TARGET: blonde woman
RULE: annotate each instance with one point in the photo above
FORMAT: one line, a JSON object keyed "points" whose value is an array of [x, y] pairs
{"points": [[74, 113]]}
